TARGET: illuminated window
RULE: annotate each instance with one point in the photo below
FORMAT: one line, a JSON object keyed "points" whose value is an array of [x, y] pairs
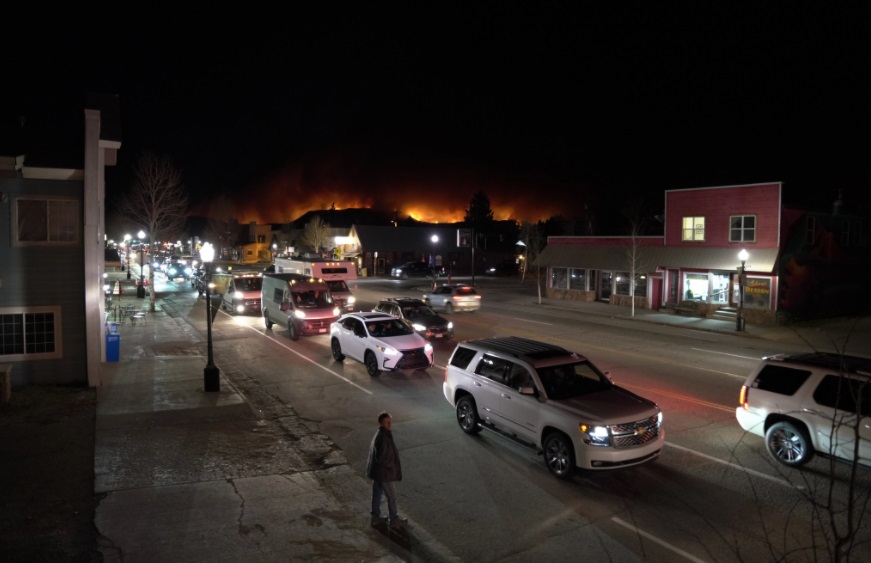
{"points": [[694, 228], [30, 334], [742, 228], [46, 221]]}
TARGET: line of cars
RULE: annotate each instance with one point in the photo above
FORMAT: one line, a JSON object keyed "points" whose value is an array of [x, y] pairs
{"points": [[557, 401], [537, 394]]}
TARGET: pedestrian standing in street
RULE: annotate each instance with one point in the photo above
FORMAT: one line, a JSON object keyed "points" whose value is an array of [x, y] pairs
{"points": [[384, 469]]}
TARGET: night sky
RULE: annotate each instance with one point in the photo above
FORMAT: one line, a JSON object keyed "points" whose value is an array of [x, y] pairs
{"points": [[548, 111]]}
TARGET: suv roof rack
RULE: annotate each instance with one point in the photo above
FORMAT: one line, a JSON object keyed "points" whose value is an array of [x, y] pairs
{"points": [[855, 364], [517, 347]]}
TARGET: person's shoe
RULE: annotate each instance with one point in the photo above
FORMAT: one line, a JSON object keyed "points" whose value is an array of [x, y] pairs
{"points": [[398, 523], [377, 521]]}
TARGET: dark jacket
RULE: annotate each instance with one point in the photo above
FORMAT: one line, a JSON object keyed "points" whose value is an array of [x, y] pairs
{"points": [[383, 464]]}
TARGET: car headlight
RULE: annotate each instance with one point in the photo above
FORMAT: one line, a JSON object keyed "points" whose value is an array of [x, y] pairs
{"points": [[595, 435], [336, 311], [450, 324], [387, 350], [240, 308], [352, 300], [172, 271], [299, 314], [187, 271], [428, 348], [418, 327]]}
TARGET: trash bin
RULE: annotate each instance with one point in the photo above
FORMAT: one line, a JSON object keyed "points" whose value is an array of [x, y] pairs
{"points": [[113, 346]]}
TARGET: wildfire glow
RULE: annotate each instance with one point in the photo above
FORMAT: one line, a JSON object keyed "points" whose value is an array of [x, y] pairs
{"points": [[429, 193]]}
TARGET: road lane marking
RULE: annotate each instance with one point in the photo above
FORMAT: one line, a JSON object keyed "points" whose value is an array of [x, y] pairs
{"points": [[572, 343], [727, 354], [531, 321], [655, 539], [306, 358], [682, 397], [736, 466]]}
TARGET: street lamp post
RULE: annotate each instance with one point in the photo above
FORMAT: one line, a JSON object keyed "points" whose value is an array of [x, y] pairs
{"points": [[434, 239], [140, 291], [742, 281], [127, 238], [211, 373]]}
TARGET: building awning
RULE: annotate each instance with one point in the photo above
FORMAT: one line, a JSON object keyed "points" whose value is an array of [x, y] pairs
{"points": [[616, 258]]}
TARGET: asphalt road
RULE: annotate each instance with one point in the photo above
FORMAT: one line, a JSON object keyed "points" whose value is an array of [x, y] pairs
{"points": [[714, 494]]}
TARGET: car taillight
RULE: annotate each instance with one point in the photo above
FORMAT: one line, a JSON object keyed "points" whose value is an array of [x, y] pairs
{"points": [[742, 398]]}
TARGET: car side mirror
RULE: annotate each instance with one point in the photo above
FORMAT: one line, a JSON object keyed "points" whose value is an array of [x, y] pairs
{"points": [[284, 306], [527, 390], [608, 375]]}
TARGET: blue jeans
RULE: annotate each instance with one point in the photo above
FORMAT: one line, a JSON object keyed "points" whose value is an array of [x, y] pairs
{"points": [[389, 491]]}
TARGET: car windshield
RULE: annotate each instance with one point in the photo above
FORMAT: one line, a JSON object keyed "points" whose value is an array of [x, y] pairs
{"points": [[572, 380], [337, 285], [312, 299], [418, 311], [388, 327], [249, 284]]}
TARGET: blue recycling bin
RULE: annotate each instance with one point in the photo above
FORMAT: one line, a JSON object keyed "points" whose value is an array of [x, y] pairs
{"points": [[113, 347]]}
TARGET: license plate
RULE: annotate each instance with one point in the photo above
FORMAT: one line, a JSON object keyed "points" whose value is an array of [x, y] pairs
{"points": [[438, 335], [322, 330]]}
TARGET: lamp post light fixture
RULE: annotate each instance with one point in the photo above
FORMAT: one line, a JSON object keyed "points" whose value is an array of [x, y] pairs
{"points": [[742, 281], [127, 238], [435, 240], [211, 373], [140, 290]]}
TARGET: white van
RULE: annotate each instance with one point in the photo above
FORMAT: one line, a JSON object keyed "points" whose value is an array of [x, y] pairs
{"points": [[301, 303], [336, 273], [243, 294]]}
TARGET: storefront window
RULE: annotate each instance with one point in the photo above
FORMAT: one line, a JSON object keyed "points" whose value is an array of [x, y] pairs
{"points": [[622, 285], [696, 287], [641, 286], [720, 287], [578, 279], [757, 293], [559, 277]]}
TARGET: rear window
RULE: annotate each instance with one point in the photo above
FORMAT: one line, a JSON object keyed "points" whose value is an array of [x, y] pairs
{"points": [[781, 379], [462, 357], [844, 393]]}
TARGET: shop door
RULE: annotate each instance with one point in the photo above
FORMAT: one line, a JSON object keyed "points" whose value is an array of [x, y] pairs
{"points": [[655, 294], [605, 280]]}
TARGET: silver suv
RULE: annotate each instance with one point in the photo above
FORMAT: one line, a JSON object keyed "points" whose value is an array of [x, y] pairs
{"points": [[809, 403], [553, 400]]}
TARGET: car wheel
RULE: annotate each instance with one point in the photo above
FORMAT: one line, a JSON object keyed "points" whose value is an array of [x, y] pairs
{"points": [[294, 332], [337, 350], [449, 309], [267, 321], [403, 276], [559, 455], [467, 415], [371, 364], [789, 444]]}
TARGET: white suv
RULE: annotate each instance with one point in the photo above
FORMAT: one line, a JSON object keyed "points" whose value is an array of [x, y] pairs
{"points": [[553, 400], [810, 403]]}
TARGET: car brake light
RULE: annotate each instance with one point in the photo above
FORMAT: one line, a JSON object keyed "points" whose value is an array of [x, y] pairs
{"points": [[742, 398]]}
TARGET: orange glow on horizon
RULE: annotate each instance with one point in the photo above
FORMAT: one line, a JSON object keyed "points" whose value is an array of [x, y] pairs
{"points": [[441, 198]]}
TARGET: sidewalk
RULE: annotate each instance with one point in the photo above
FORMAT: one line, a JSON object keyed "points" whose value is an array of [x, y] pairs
{"points": [[182, 475], [186, 475]]}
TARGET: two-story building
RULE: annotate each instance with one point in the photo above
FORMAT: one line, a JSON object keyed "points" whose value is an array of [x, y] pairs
{"points": [[52, 259], [791, 256]]}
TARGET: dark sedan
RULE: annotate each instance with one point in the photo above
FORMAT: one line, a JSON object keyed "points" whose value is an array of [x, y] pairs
{"points": [[411, 270], [421, 317]]}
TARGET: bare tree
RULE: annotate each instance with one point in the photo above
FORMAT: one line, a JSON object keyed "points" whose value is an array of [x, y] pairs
{"points": [[635, 259], [316, 234], [156, 201], [531, 235], [222, 225]]}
